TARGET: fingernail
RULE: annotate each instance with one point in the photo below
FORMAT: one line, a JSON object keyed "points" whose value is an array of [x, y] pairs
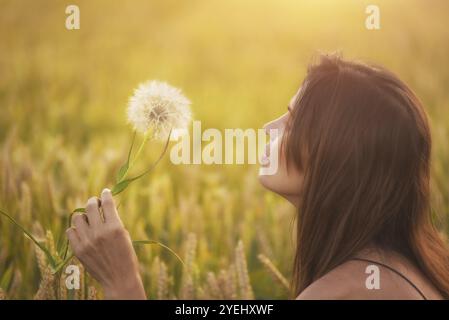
{"points": [[106, 190]]}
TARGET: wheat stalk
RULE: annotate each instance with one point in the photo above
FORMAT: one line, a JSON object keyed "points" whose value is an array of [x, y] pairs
{"points": [[274, 272], [227, 282], [187, 288], [25, 203], [50, 243], [246, 290], [79, 294], [63, 291], [162, 281], [214, 289]]}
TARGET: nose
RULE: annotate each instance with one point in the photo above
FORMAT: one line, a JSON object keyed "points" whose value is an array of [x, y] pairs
{"points": [[273, 129], [278, 123]]}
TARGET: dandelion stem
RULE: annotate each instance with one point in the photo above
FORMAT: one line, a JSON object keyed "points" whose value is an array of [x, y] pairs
{"points": [[146, 137]]}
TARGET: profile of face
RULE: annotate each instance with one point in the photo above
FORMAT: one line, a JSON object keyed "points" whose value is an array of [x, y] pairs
{"points": [[287, 180]]}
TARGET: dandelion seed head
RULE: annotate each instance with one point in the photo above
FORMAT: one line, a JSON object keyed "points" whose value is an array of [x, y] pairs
{"points": [[158, 107]]}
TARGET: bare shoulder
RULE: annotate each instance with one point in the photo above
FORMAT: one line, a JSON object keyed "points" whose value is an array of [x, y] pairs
{"points": [[350, 281], [340, 283]]}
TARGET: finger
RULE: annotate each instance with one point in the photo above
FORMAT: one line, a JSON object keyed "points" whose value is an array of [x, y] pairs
{"points": [[74, 239], [109, 211], [79, 221], [93, 212]]}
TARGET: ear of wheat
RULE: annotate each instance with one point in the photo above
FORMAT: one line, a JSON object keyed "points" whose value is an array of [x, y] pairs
{"points": [[187, 287], [46, 289], [228, 282], [47, 284]]}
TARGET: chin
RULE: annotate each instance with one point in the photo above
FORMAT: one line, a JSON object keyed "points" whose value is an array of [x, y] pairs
{"points": [[269, 182], [277, 185], [263, 180]]}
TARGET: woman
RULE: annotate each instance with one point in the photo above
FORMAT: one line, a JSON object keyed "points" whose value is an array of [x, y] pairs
{"points": [[354, 160]]}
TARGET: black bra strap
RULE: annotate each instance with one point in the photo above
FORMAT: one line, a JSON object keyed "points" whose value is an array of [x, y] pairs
{"points": [[395, 271]]}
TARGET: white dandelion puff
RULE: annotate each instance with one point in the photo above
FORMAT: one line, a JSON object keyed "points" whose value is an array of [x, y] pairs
{"points": [[156, 108]]}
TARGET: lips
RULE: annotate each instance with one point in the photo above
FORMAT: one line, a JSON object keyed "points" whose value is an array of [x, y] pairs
{"points": [[265, 160], [267, 149]]}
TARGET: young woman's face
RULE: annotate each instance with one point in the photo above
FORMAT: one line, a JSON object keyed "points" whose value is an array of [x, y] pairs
{"points": [[288, 185]]}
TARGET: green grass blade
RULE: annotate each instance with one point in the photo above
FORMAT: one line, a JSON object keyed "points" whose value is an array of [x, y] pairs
{"points": [[145, 242], [63, 254], [6, 278], [62, 264], [29, 235], [121, 186]]}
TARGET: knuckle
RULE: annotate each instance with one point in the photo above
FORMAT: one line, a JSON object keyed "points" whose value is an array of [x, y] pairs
{"points": [[76, 217], [75, 249], [86, 248], [73, 242], [82, 250], [69, 233], [99, 238], [116, 231]]}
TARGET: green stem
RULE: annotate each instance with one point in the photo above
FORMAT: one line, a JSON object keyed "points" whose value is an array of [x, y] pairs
{"points": [[156, 162], [146, 137]]}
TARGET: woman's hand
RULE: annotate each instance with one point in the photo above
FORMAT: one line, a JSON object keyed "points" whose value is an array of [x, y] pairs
{"points": [[105, 249]]}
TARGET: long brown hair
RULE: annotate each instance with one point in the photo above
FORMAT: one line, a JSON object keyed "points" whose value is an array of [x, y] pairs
{"points": [[362, 139]]}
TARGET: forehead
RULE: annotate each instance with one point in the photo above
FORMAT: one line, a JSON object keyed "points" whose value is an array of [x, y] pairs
{"points": [[292, 101]]}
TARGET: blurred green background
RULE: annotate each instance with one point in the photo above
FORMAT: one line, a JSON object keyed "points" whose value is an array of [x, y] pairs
{"points": [[63, 130]]}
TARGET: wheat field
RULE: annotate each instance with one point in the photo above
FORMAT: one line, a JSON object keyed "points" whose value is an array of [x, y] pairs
{"points": [[63, 130]]}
